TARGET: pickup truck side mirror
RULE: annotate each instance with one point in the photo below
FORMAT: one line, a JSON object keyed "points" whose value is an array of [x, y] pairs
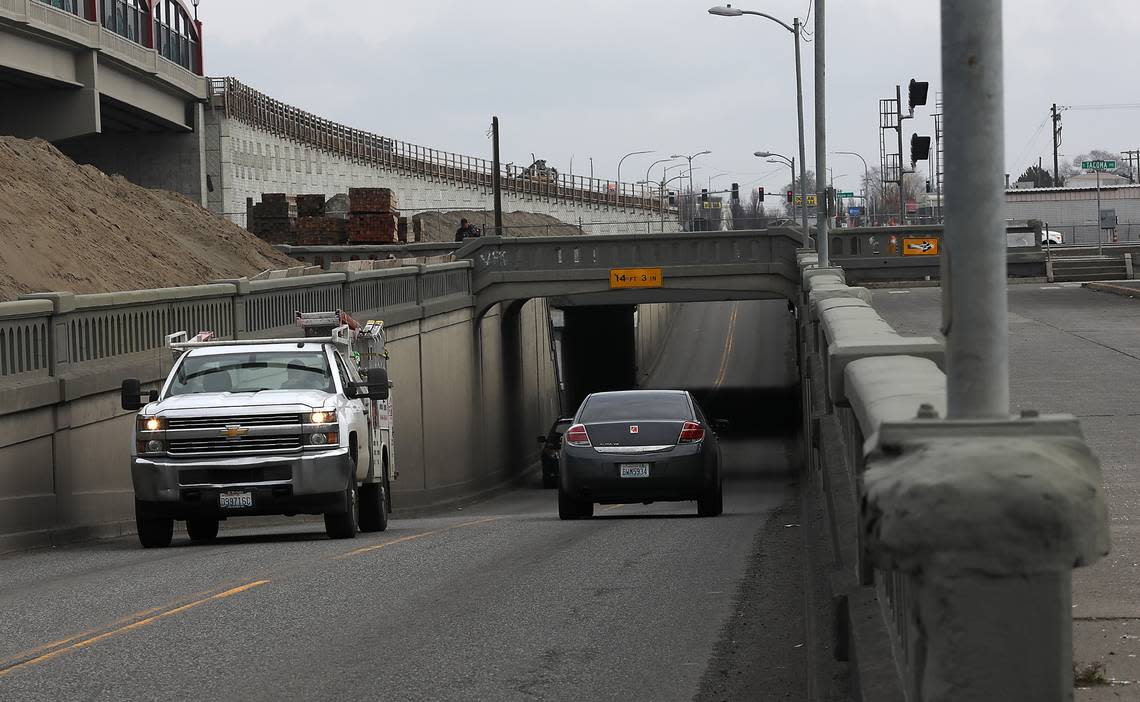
{"points": [[375, 388], [131, 396]]}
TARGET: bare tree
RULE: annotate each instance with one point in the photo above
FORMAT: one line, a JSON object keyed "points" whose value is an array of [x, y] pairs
{"points": [[884, 197]]}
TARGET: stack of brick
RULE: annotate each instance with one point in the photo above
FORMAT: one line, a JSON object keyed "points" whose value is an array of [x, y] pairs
{"points": [[314, 228], [372, 216], [269, 220]]}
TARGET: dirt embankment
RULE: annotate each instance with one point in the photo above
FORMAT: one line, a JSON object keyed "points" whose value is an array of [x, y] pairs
{"points": [[65, 227]]}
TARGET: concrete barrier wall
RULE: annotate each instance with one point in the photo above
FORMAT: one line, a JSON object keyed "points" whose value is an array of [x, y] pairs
{"points": [[64, 441], [653, 324]]}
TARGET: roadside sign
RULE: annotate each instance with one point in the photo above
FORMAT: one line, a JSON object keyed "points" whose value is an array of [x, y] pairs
{"points": [[845, 194], [635, 278], [854, 211], [1108, 219], [1098, 165], [812, 200], [920, 246], [714, 205]]}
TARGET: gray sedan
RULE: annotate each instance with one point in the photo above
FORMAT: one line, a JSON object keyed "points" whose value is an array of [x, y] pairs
{"points": [[639, 446]]}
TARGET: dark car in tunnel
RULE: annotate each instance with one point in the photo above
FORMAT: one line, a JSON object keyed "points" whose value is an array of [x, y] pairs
{"points": [[639, 446], [551, 444]]}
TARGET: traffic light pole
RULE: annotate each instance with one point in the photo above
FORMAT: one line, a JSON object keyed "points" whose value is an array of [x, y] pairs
{"points": [[976, 322], [902, 170]]}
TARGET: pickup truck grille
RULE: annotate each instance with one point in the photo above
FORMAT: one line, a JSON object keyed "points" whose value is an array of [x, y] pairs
{"points": [[234, 476], [223, 445], [255, 420]]}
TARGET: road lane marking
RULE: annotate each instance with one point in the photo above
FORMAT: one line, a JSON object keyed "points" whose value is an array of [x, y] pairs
{"points": [[898, 292], [727, 346], [91, 640], [607, 509], [411, 537]]}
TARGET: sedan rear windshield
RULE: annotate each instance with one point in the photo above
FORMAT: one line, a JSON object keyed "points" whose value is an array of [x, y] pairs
{"points": [[252, 372], [636, 405]]}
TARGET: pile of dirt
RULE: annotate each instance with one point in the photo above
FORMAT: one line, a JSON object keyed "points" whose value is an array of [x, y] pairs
{"points": [[65, 227], [441, 226]]}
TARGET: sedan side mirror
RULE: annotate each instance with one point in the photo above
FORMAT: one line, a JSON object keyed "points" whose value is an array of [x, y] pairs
{"points": [[542, 439], [720, 425]]}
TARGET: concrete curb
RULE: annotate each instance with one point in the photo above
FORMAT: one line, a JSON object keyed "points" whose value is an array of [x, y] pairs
{"points": [[882, 284], [1114, 289]]}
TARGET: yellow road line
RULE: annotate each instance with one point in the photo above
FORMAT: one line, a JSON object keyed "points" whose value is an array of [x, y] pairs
{"points": [[410, 537], [84, 643], [727, 346], [607, 509]]}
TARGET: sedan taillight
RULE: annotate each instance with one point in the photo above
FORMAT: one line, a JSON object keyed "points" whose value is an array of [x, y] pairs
{"points": [[577, 436], [691, 433]]}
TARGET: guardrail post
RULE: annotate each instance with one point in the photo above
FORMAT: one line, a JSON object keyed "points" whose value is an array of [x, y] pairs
{"points": [[59, 339]]}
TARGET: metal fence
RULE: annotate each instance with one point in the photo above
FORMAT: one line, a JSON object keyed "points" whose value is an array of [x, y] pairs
{"points": [[256, 109], [53, 332]]}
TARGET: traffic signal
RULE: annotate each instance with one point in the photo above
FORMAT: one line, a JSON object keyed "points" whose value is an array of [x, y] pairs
{"points": [[919, 149], [705, 194], [672, 199], [791, 197], [736, 192], [760, 194], [927, 185], [917, 93]]}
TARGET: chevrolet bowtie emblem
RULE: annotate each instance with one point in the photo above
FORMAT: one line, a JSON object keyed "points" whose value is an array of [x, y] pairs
{"points": [[234, 431]]}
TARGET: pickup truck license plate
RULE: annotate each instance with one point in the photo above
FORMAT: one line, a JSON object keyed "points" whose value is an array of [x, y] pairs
{"points": [[236, 500], [635, 470]]}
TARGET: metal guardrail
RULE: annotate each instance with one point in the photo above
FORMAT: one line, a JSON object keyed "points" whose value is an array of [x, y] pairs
{"points": [[46, 334], [257, 109]]}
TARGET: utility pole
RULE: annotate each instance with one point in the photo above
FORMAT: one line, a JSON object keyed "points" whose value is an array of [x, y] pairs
{"points": [[1056, 142], [821, 243], [497, 186]]}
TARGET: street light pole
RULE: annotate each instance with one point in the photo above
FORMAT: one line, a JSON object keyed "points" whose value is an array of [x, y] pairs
{"points": [[866, 178], [617, 194], [821, 243], [690, 160], [976, 320]]}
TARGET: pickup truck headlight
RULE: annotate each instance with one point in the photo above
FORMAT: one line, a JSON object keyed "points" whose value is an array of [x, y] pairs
{"points": [[322, 417], [151, 423]]}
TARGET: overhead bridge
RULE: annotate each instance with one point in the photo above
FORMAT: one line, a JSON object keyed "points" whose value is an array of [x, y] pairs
{"points": [[573, 271]]}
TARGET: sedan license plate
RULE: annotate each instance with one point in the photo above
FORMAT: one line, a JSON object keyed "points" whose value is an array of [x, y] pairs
{"points": [[635, 470], [236, 500]]}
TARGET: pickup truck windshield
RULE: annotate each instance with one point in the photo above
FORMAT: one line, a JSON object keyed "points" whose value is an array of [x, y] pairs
{"points": [[252, 371]]}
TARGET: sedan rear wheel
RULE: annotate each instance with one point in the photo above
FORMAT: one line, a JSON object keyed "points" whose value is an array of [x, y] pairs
{"points": [[569, 508], [711, 504]]}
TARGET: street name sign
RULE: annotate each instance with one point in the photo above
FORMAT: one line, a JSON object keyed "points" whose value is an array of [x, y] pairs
{"points": [[1098, 165]]}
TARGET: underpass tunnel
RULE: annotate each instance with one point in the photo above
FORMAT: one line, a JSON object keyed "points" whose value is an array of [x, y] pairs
{"points": [[738, 358]]}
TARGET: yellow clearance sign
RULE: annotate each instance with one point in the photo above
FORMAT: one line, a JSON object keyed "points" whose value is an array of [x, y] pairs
{"points": [[920, 246], [635, 278]]}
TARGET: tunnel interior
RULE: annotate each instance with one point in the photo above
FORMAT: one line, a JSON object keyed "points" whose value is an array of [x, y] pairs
{"points": [[737, 359]]}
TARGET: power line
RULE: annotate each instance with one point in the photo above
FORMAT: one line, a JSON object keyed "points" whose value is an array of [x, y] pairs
{"points": [[1029, 144], [1110, 106]]}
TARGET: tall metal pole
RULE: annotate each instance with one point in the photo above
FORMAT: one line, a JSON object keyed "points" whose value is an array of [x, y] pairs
{"points": [[977, 325], [820, 140], [1099, 231], [806, 243], [497, 186], [1056, 172], [902, 169]]}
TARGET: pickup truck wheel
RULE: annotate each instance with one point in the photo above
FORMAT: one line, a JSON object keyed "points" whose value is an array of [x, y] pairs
{"points": [[373, 507], [343, 524], [154, 532], [202, 529]]}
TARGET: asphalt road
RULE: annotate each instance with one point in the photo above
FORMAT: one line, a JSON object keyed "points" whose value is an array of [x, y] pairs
{"points": [[497, 601], [1077, 351]]}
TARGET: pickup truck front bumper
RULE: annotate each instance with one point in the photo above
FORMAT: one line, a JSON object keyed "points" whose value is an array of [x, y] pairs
{"points": [[182, 488]]}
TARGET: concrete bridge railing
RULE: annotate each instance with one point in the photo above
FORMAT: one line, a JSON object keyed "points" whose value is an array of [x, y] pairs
{"points": [[951, 541]]}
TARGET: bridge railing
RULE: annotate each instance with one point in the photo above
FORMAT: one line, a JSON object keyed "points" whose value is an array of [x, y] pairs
{"points": [[48, 336], [257, 109], [945, 536]]}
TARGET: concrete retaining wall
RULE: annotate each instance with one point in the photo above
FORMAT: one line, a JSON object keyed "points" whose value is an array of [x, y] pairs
{"points": [[243, 161], [64, 441]]}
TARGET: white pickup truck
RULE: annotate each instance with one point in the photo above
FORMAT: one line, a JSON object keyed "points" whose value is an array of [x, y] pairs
{"points": [[266, 427]]}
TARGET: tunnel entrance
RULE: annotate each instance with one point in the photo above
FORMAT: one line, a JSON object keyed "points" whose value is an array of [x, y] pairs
{"points": [[598, 351]]}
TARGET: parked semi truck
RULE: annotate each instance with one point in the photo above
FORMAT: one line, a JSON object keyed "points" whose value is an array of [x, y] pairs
{"points": [[266, 427]]}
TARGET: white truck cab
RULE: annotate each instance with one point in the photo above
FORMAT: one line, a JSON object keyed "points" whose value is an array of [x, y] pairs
{"points": [[265, 427]]}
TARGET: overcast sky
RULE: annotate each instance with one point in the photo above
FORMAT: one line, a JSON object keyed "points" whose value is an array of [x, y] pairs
{"points": [[600, 78]]}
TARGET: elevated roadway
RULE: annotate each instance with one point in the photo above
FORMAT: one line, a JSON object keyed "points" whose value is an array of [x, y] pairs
{"points": [[499, 600]]}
